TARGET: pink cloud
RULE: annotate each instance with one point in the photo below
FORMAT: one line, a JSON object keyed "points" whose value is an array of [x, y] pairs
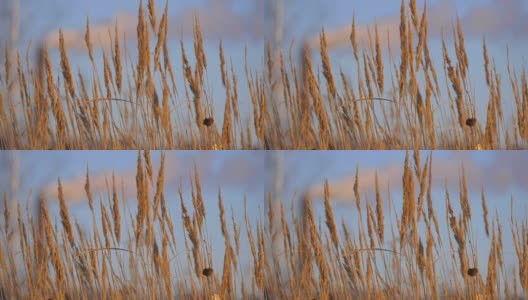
{"points": [[238, 171], [496, 20], [101, 182], [505, 171], [217, 21]]}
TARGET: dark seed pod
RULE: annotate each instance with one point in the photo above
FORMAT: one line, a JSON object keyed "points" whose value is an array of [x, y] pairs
{"points": [[472, 271], [208, 121], [471, 122], [207, 272]]}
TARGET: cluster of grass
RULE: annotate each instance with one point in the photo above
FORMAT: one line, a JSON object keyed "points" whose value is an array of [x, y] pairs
{"points": [[141, 112], [140, 260], [292, 256], [399, 253]]}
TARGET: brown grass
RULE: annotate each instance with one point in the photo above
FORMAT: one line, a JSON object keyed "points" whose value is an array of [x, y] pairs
{"points": [[386, 254], [134, 105], [326, 263], [131, 262]]}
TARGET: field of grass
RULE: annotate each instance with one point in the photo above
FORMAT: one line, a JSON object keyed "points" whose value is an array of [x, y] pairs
{"points": [[393, 253], [132, 103], [425, 245], [124, 253]]}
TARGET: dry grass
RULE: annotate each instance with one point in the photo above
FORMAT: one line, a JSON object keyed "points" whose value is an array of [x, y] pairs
{"points": [[60, 260], [132, 105], [381, 254], [414, 261]]}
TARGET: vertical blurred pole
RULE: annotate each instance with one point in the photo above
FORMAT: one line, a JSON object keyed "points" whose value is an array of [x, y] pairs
{"points": [[275, 181], [15, 22], [9, 167], [9, 25], [276, 92], [9, 34], [276, 13], [277, 39], [13, 190]]}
